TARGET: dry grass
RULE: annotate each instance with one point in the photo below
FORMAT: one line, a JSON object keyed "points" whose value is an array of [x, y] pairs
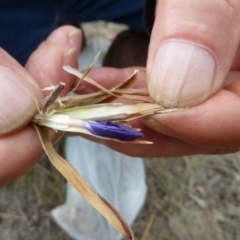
{"points": [[190, 198], [26, 203], [195, 198]]}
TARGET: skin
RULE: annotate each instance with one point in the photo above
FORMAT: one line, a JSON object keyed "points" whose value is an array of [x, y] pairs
{"points": [[206, 126], [44, 67]]}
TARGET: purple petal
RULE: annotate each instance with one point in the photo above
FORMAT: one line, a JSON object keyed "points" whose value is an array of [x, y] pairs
{"points": [[113, 130]]}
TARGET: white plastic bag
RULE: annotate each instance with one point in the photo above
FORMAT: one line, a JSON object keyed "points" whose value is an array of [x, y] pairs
{"points": [[118, 178]]}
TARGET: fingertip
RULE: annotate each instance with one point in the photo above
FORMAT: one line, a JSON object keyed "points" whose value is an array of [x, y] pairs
{"points": [[182, 74], [46, 64], [186, 65], [75, 39], [19, 94], [60, 48], [67, 34], [17, 100]]}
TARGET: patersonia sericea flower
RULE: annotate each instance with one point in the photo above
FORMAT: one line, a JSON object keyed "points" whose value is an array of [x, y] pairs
{"points": [[106, 129], [113, 130]]}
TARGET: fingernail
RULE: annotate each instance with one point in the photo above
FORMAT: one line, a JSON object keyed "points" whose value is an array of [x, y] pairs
{"points": [[17, 100], [74, 38], [70, 58], [182, 74], [69, 55]]}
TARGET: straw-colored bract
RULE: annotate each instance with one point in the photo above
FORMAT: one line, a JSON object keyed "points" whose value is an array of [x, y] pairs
{"points": [[72, 113]]}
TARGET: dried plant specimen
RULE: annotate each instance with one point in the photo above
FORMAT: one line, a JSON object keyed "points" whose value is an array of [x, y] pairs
{"points": [[97, 115]]}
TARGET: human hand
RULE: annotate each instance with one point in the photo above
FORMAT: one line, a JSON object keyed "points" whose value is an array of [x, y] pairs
{"points": [[21, 92], [194, 52], [204, 129], [192, 49], [206, 36]]}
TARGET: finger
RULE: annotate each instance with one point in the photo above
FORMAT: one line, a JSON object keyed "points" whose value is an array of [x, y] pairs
{"points": [[212, 124], [19, 93], [110, 77], [20, 151], [236, 62], [162, 145], [67, 34], [166, 143], [192, 47], [46, 63]]}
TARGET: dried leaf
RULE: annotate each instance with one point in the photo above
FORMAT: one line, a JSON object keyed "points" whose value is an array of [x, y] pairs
{"points": [[128, 83], [111, 111], [97, 97], [83, 99], [71, 174], [80, 75], [102, 96], [50, 99], [87, 71]]}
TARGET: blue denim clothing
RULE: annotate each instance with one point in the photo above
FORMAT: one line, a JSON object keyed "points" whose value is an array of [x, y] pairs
{"points": [[24, 24]]}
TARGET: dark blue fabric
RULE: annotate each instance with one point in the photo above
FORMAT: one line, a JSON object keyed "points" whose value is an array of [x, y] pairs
{"points": [[25, 24]]}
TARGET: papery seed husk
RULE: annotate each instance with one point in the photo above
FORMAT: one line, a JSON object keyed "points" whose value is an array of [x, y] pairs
{"points": [[109, 110], [71, 174]]}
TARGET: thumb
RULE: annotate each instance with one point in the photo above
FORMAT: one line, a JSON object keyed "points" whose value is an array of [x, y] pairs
{"points": [[192, 47], [19, 94]]}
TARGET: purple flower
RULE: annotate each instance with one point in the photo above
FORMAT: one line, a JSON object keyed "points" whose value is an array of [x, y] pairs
{"points": [[113, 130]]}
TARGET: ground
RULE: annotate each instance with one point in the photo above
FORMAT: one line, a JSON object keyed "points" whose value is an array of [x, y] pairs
{"points": [[189, 198]]}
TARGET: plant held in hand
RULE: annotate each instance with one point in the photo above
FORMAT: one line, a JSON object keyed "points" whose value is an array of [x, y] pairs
{"points": [[97, 115]]}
